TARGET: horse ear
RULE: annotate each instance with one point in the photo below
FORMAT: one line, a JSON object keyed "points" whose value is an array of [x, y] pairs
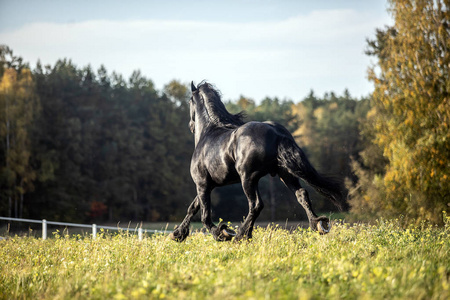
{"points": [[193, 88]]}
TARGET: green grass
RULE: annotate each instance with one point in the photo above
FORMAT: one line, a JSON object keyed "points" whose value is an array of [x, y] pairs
{"points": [[379, 261]]}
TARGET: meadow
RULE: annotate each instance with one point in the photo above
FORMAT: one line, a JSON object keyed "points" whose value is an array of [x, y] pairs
{"points": [[358, 261]]}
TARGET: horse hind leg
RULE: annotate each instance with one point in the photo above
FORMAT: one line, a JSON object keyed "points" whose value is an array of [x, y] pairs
{"points": [[255, 204], [322, 223]]}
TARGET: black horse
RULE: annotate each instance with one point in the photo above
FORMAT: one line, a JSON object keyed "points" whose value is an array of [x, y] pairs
{"points": [[228, 150]]}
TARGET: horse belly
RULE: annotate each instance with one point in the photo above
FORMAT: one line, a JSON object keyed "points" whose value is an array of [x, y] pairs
{"points": [[222, 171]]}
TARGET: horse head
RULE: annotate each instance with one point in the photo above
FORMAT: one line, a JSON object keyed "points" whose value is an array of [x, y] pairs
{"points": [[192, 108], [196, 100], [198, 103]]}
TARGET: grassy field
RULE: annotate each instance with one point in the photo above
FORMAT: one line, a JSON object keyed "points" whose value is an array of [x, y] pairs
{"points": [[362, 261]]}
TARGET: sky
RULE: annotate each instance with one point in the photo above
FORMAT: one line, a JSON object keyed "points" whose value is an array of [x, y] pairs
{"points": [[256, 49]]}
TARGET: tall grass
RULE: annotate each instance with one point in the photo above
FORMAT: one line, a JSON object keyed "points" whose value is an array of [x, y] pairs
{"points": [[379, 261]]}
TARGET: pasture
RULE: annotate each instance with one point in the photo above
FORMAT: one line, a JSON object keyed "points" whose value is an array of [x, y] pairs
{"points": [[381, 261]]}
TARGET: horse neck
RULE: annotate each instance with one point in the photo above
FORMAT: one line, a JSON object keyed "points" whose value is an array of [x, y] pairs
{"points": [[202, 122]]}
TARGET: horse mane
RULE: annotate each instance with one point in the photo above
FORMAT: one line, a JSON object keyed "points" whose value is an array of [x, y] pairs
{"points": [[216, 110]]}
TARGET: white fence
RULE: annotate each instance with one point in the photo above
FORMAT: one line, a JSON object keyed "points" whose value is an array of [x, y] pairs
{"points": [[94, 227]]}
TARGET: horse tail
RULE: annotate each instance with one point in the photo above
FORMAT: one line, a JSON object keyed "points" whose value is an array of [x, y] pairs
{"points": [[293, 159]]}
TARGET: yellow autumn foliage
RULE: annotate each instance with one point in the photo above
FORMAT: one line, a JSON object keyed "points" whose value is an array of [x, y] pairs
{"points": [[18, 108], [412, 104]]}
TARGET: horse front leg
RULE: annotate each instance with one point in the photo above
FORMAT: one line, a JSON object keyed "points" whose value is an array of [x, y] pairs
{"points": [[255, 206], [181, 232], [221, 232]]}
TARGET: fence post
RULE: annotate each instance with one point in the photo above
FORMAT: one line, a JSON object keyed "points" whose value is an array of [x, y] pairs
{"points": [[94, 231], [140, 233], [44, 229]]}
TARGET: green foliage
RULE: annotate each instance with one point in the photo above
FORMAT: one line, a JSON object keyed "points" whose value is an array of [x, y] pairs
{"points": [[329, 133], [106, 148], [94, 140], [330, 130], [410, 117], [379, 261], [366, 195]]}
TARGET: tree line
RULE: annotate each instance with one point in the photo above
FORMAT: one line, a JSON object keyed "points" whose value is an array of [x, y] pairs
{"points": [[81, 145], [78, 145]]}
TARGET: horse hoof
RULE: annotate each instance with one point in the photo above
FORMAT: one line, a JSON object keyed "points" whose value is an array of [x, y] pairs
{"points": [[323, 227], [177, 238], [228, 233]]}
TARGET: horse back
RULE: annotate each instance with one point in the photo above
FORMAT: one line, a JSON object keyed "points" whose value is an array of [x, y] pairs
{"points": [[225, 156], [257, 148]]}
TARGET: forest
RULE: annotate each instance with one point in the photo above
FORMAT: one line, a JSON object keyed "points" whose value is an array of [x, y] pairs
{"points": [[84, 145]]}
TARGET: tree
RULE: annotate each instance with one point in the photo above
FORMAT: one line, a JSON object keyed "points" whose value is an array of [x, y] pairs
{"points": [[411, 109], [9, 61], [18, 108]]}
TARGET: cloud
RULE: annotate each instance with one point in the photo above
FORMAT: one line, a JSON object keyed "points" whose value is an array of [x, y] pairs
{"points": [[320, 50]]}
